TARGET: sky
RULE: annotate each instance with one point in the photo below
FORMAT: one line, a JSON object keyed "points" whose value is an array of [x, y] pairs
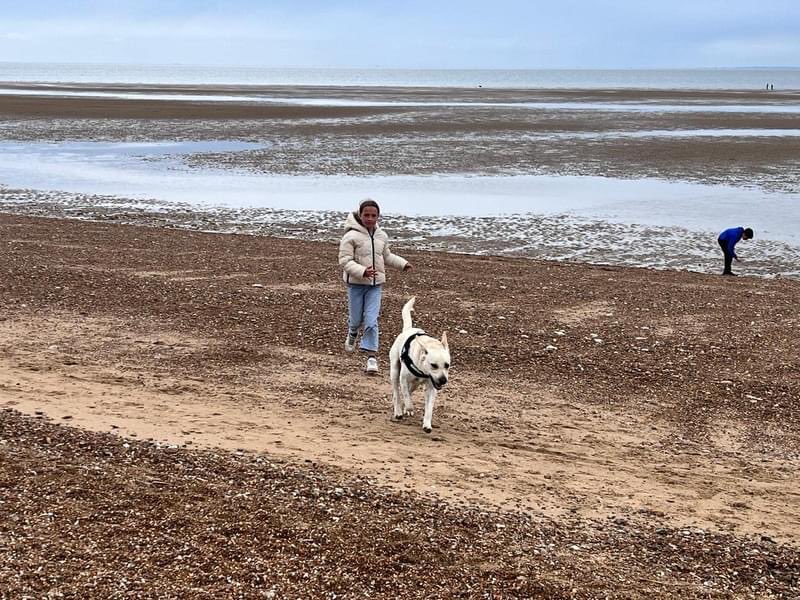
{"points": [[413, 34]]}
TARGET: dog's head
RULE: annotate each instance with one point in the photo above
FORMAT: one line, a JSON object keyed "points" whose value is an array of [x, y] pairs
{"points": [[435, 361]]}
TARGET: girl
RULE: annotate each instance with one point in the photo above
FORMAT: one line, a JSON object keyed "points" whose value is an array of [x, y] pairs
{"points": [[363, 254]]}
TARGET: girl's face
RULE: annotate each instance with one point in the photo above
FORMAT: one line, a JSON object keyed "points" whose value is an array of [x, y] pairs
{"points": [[369, 216]]}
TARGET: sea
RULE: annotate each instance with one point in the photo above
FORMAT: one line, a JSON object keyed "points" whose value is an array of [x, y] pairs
{"points": [[755, 78], [640, 222]]}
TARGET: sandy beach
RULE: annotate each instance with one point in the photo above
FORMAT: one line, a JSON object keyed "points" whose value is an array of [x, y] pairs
{"points": [[666, 413], [179, 418]]}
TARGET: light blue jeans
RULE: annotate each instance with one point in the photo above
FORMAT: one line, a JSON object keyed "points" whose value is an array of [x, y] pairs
{"points": [[364, 302]]}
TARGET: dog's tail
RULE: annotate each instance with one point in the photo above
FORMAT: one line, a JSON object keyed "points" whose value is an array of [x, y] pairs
{"points": [[408, 308]]}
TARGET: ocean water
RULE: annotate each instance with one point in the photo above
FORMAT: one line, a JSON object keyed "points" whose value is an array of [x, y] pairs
{"points": [[156, 171], [736, 79]]}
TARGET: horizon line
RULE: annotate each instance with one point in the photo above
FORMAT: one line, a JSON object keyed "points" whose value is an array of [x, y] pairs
{"points": [[383, 68]]}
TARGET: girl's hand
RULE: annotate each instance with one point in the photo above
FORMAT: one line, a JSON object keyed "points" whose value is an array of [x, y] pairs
{"points": [[370, 272]]}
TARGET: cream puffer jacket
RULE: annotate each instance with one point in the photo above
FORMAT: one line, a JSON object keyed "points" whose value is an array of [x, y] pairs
{"points": [[359, 250]]}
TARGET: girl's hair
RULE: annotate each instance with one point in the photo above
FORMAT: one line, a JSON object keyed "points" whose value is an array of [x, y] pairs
{"points": [[368, 202]]}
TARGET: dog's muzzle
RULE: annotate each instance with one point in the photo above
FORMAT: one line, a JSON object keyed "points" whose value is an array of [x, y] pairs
{"points": [[439, 383]]}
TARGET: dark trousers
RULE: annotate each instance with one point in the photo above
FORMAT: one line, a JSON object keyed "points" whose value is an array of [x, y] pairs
{"points": [[728, 256]]}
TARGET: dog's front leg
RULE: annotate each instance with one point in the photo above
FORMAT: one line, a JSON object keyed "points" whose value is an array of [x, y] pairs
{"points": [[430, 400], [397, 405]]}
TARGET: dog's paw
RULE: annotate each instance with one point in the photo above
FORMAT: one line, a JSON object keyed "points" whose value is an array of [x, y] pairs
{"points": [[409, 412], [427, 429], [398, 417]]}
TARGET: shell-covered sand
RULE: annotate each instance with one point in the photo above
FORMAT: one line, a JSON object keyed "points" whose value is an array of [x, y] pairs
{"points": [[181, 420]]}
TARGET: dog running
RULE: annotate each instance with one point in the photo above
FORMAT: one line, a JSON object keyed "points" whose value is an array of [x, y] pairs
{"points": [[415, 359]]}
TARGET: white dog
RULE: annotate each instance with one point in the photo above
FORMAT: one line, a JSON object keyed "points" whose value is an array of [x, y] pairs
{"points": [[417, 358]]}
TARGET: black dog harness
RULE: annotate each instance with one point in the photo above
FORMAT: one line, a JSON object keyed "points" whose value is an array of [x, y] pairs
{"points": [[406, 358]]}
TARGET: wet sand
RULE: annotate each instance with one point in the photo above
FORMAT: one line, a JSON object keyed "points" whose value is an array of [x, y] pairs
{"points": [[438, 139]]}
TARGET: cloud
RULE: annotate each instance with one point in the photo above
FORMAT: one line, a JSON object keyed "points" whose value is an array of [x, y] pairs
{"points": [[755, 51], [14, 36], [195, 28], [407, 33]]}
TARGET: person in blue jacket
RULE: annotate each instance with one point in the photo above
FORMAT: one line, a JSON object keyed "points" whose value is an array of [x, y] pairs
{"points": [[728, 240]]}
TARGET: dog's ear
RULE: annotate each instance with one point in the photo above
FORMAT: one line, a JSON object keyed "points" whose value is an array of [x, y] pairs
{"points": [[444, 341]]}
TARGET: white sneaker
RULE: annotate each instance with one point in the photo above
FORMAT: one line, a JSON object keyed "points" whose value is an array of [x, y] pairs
{"points": [[350, 342], [372, 366]]}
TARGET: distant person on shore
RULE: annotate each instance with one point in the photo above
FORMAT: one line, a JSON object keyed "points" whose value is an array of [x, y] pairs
{"points": [[363, 254], [728, 240]]}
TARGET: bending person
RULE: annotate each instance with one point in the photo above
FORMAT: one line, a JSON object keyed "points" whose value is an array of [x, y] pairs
{"points": [[728, 240]]}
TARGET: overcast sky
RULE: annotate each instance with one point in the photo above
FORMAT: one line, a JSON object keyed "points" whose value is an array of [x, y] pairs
{"points": [[511, 34]]}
